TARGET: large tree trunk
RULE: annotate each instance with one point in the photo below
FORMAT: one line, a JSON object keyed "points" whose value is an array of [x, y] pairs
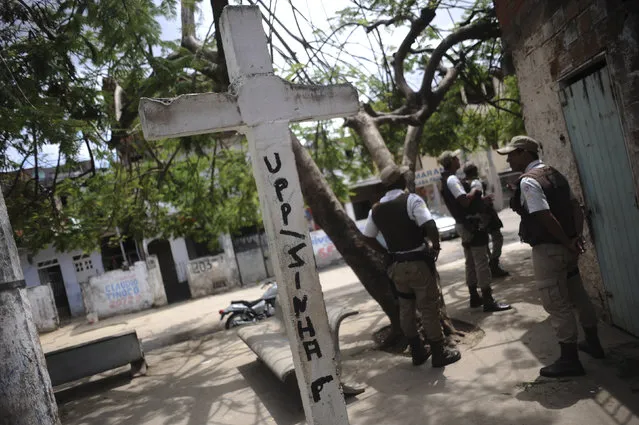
{"points": [[331, 216], [26, 396], [411, 146]]}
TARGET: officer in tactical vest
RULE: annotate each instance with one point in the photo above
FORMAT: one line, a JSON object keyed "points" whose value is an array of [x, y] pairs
{"points": [[552, 223], [492, 222], [407, 225], [466, 206]]}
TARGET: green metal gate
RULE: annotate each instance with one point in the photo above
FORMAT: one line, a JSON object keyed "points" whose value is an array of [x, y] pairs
{"points": [[609, 189]]}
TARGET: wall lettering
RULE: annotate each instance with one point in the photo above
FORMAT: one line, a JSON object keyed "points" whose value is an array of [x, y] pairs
{"points": [[122, 293], [305, 328], [299, 306], [280, 185], [292, 233], [309, 328], [219, 284], [299, 262], [278, 164], [202, 266], [317, 385], [286, 210], [312, 347]]}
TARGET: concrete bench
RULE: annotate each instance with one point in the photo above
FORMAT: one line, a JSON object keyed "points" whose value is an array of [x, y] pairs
{"points": [[269, 342], [93, 357]]}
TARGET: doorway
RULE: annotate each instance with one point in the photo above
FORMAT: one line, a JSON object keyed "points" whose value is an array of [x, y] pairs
{"points": [[51, 274], [175, 291], [609, 189]]}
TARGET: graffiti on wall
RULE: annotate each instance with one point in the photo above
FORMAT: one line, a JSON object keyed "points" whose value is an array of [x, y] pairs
{"points": [[124, 292], [203, 265], [425, 177], [324, 249]]}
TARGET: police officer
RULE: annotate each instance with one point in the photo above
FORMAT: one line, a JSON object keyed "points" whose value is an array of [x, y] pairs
{"points": [[465, 205], [406, 224], [491, 219], [552, 223]]}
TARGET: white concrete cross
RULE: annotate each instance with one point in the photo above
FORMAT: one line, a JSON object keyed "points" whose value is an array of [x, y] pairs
{"points": [[262, 105]]}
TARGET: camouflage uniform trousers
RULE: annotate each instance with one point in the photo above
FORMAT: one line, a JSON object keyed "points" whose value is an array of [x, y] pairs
{"points": [[561, 290], [416, 277], [477, 262]]}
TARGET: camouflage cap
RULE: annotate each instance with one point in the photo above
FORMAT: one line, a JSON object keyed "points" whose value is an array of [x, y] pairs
{"points": [[391, 173], [520, 142], [446, 157]]}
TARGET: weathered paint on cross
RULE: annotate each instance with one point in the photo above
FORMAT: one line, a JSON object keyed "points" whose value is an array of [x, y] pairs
{"points": [[262, 105]]}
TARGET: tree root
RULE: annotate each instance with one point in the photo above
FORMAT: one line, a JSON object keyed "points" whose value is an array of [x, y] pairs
{"points": [[390, 341]]}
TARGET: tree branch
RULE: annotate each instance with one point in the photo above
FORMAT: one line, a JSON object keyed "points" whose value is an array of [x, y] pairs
{"points": [[36, 171], [366, 128], [411, 147], [411, 119], [55, 179], [287, 47], [387, 22], [86, 141], [189, 41], [481, 30], [417, 26], [447, 81], [217, 6]]}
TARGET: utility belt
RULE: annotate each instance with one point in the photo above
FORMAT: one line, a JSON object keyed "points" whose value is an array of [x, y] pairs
{"points": [[404, 257], [535, 237]]}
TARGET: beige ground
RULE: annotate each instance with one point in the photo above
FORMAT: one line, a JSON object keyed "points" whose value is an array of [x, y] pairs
{"points": [[216, 379]]}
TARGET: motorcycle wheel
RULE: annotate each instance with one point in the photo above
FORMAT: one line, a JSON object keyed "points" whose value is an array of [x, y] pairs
{"points": [[234, 320]]}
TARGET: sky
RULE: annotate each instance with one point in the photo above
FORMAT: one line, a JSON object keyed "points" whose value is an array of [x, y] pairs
{"points": [[318, 13], [321, 14]]}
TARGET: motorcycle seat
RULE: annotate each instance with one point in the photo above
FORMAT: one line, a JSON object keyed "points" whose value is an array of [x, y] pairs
{"points": [[247, 303]]}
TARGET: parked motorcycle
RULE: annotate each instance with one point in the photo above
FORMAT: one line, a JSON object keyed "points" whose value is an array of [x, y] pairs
{"points": [[243, 312]]}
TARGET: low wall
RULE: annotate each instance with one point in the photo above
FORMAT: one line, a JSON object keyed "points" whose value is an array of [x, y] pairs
{"points": [[210, 275], [45, 315], [123, 291]]}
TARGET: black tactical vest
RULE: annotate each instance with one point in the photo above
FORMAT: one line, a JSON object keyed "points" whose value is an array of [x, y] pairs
{"points": [[557, 191], [400, 232], [456, 210]]}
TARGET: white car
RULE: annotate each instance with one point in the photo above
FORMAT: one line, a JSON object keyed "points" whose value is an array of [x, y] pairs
{"points": [[445, 225]]}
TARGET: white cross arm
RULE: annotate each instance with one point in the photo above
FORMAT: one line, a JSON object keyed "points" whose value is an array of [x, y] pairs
{"points": [[188, 115], [322, 102]]}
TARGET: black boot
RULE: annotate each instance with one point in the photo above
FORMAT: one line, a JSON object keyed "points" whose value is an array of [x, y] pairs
{"points": [[475, 298], [490, 304], [567, 364], [418, 351], [496, 270], [443, 355], [591, 345]]}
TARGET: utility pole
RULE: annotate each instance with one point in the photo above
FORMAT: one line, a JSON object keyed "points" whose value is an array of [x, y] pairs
{"points": [[26, 396]]}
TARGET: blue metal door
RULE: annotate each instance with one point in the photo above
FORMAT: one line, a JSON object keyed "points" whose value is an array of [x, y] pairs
{"points": [[609, 189]]}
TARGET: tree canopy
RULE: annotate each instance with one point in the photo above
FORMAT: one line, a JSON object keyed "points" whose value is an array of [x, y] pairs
{"points": [[74, 70]]}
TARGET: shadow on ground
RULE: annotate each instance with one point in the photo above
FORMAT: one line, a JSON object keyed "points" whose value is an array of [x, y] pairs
{"points": [[216, 379], [189, 383]]}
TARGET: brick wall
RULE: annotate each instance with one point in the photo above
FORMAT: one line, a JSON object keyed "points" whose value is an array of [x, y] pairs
{"points": [[549, 40]]}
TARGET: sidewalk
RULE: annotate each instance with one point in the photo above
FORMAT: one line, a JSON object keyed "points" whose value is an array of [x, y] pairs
{"points": [[167, 325], [216, 379]]}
